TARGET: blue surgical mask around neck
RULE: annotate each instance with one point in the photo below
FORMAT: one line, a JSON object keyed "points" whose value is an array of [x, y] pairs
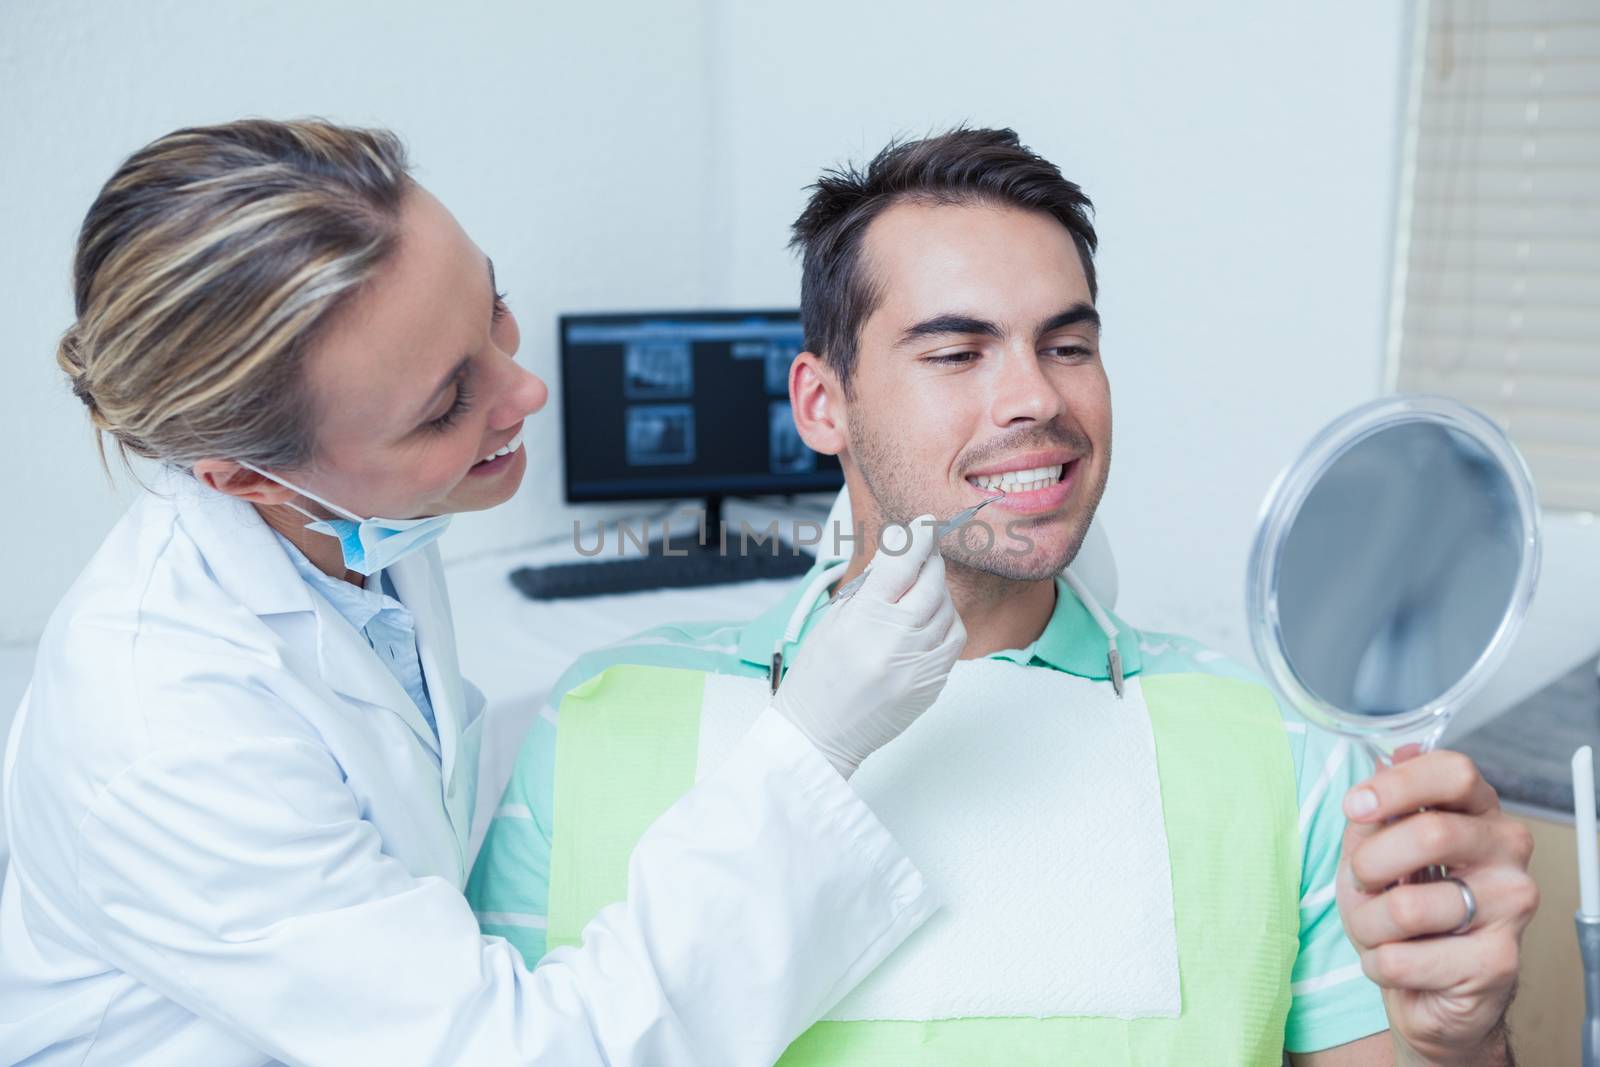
{"points": [[369, 545]]}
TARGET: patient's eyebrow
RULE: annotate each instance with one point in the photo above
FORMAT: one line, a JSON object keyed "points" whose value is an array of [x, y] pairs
{"points": [[945, 325], [1076, 315]]}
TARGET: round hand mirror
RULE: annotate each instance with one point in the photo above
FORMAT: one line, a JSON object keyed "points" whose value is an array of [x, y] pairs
{"points": [[1393, 563]]}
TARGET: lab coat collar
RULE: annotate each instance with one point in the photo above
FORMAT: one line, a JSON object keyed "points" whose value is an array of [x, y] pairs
{"points": [[1071, 642], [237, 544], [347, 663], [351, 668], [419, 580], [251, 565]]}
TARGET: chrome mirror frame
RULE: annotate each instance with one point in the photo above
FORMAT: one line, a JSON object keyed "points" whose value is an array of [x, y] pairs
{"points": [[1422, 725]]}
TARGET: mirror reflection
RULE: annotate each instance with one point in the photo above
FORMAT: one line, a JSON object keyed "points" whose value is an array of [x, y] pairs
{"points": [[1398, 568]]}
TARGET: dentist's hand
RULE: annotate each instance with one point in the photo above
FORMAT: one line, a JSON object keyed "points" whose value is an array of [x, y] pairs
{"points": [[878, 660], [1446, 987]]}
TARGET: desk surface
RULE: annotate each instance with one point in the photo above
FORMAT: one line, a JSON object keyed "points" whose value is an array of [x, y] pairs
{"points": [[1526, 753]]}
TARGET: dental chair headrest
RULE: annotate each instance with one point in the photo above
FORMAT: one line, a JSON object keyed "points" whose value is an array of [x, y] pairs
{"points": [[1094, 565]]}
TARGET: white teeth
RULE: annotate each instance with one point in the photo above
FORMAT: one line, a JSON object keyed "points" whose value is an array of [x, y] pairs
{"points": [[510, 447], [1023, 481]]}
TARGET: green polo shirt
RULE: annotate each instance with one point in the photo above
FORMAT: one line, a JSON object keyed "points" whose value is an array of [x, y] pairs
{"points": [[1332, 1001]]}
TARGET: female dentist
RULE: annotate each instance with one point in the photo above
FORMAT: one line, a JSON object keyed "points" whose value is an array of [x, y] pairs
{"points": [[238, 788]]}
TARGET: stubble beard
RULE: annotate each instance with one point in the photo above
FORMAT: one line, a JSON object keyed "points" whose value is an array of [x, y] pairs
{"points": [[970, 557]]}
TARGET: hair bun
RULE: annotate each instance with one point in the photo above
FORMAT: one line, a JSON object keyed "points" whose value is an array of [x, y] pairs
{"points": [[69, 354]]}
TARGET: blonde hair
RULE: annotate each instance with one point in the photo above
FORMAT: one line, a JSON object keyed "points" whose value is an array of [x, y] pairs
{"points": [[203, 271]]}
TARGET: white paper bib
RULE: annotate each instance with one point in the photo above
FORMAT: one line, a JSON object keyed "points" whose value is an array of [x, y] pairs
{"points": [[1029, 800]]}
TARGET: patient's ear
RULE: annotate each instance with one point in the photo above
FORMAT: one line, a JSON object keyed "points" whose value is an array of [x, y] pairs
{"points": [[818, 403]]}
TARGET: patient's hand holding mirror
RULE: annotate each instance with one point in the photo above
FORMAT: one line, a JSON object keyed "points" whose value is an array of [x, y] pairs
{"points": [[1392, 566]]}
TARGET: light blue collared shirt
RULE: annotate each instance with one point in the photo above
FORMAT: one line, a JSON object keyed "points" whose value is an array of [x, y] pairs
{"points": [[376, 612]]}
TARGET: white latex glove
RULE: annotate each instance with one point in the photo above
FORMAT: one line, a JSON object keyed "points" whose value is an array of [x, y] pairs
{"points": [[878, 660]]}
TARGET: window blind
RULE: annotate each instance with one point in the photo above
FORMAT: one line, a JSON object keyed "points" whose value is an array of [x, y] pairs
{"points": [[1497, 280]]}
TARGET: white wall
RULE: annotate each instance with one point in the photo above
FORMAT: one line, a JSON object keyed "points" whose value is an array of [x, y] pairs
{"points": [[568, 138], [1242, 160]]}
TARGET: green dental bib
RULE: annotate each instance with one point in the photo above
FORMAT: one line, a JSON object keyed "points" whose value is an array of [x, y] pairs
{"points": [[627, 748]]}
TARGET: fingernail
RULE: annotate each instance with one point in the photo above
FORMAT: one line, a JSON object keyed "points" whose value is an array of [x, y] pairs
{"points": [[1359, 803]]}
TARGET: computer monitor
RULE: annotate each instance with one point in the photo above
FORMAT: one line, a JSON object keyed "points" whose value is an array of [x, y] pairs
{"points": [[684, 404]]}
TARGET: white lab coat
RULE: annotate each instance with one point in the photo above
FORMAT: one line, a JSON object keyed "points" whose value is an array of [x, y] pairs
{"points": [[236, 841]]}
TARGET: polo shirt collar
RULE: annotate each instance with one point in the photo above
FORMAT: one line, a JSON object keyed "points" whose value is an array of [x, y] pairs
{"points": [[1071, 641]]}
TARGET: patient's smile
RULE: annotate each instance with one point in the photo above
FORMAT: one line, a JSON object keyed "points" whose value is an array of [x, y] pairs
{"points": [[1019, 481], [1033, 483]]}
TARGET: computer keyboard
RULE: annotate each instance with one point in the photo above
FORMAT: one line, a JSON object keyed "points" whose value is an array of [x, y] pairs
{"points": [[630, 574]]}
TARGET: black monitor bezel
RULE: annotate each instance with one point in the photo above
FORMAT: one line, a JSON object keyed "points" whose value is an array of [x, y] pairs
{"points": [[786, 487]]}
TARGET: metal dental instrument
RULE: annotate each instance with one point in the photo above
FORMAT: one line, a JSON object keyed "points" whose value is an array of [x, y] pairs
{"points": [[848, 589], [954, 522]]}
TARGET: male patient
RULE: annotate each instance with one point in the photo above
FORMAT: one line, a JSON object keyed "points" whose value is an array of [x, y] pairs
{"points": [[1141, 862]]}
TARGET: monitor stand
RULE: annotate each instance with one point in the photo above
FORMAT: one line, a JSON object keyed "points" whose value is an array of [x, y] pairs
{"points": [[711, 529], [676, 563]]}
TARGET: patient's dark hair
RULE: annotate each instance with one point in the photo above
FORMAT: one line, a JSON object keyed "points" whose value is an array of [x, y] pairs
{"points": [[963, 166]]}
